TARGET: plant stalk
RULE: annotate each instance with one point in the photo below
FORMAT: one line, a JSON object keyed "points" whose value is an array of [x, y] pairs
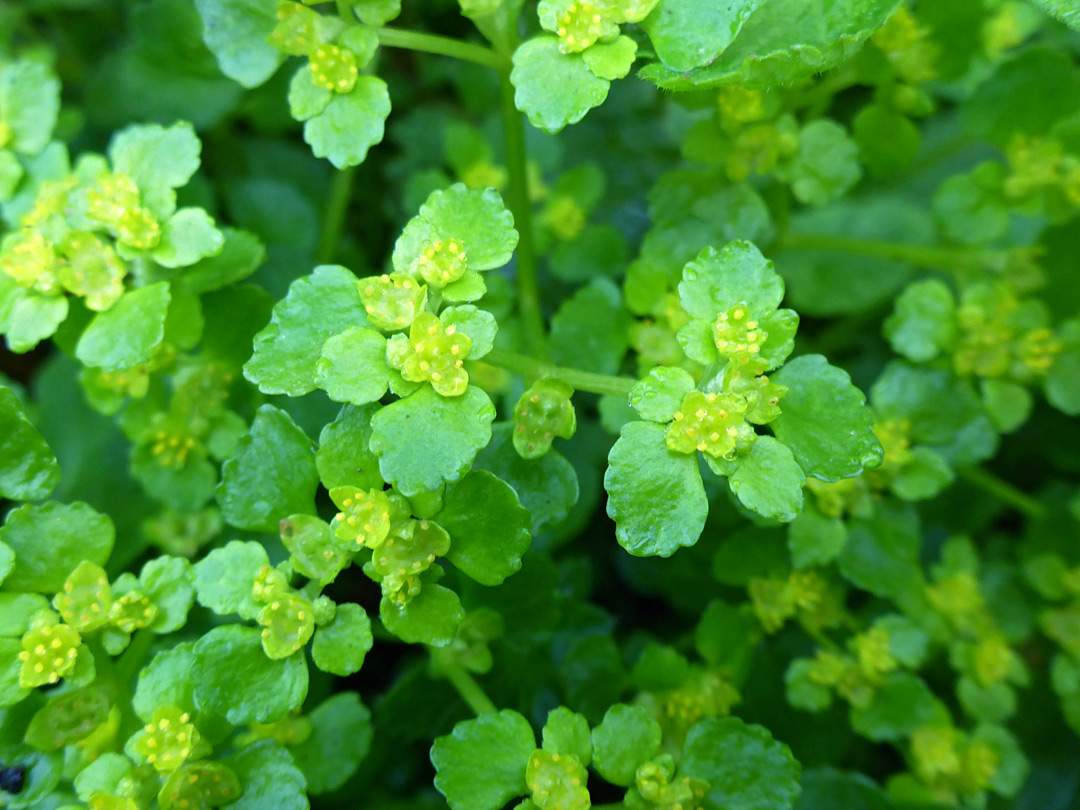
{"points": [[579, 380], [1004, 492], [433, 43], [933, 257], [337, 205], [468, 688]]}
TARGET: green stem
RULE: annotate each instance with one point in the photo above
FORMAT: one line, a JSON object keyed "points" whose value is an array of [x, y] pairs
{"points": [[528, 280], [1004, 492], [133, 658], [433, 43], [959, 258], [468, 688], [575, 378], [334, 218]]}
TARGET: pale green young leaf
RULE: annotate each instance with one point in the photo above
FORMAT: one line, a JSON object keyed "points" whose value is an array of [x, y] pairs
{"points": [[825, 421], [1065, 10], [268, 778], [186, 237], [691, 33], [341, 735], [29, 104], [169, 584], [340, 646], [815, 539], [717, 280], [902, 703], [271, 476], [224, 578], [237, 32], [479, 324], [882, 555], [488, 526], [567, 732], [476, 217], [28, 467], [745, 767], [165, 681], [27, 318], [589, 329], [344, 457], [627, 737], [129, 332], [402, 432], [924, 476], [350, 124], [75, 532], [307, 99], [376, 12], [1007, 403], [767, 480], [826, 165], [18, 609], [552, 88], [660, 394], [611, 60], [923, 322], [353, 367], [644, 478], [239, 257], [481, 764], [156, 157], [431, 617], [233, 678], [287, 351]]}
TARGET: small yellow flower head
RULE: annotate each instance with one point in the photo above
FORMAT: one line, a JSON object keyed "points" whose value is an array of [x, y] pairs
{"points": [[980, 765], [333, 68], [290, 730], [828, 668], [169, 739], [543, 412], [738, 335], [894, 437], [406, 555], [288, 622], [739, 105], [30, 259], [392, 302], [634, 11], [48, 654], [1037, 350], [1033, 165], [115, 203], [653, 776], [708, 423], [807, 589], [100, 800], [364, 519], [171, 443], [484, 175], [557, 781], [51, 201], [297, 30], [137, 228], [583, 24], [957, 597], [564, 217], [132, 611], [269, 584], [70, 719], [834, 498], [93, 270], [437, 354], [991, 660], [934, 749], [442, 262], [907, 46], [762, 396], [773, 602], [199, 786], [86, 599], [872, 651], [399, 589]]}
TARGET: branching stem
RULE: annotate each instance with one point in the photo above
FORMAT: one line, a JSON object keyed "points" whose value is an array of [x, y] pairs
{"points": [[937, 257], [1004, 492], [440, 45], [468, 688], [333, 220], [576, 378]]}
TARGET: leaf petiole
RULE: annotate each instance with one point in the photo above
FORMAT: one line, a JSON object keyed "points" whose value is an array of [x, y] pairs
{"points": [[575, 378]]}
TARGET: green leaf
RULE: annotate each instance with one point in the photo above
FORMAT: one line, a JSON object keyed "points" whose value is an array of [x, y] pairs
{"points": [[589, 330], [50, 539], [28, 468], [353, 367], [165, 681], [307, 99], [924, 476], [340, 647], [476, 217], [29, 104], [169, 584], [224, 578], [611, 60], [826, 165], [481, 764], [716, 281], [27, 318], [1007, 403], [936, 404], [272, 474], [901, 704], [644, 478], [11, 172], [478, 324], [489, 528], [156, 157], [657, 397], [268, 778], [7, 561], [727, 637], [923, 323], [627, 737], [432, 617], [340, 738], [344, 458], [746, 768], [769, 481], [815, 539], [240, 256], [552, 88], [1065, 10], [784, 40], [691, 33], [1062, 383], [970, 208], [237, 33], [547, 486], [127, 334], [186, 237], [233, 678], [888, 140], [401, 438], [350, 124], [567, 732], [882, 556], [825, 421], [316, 308]]}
